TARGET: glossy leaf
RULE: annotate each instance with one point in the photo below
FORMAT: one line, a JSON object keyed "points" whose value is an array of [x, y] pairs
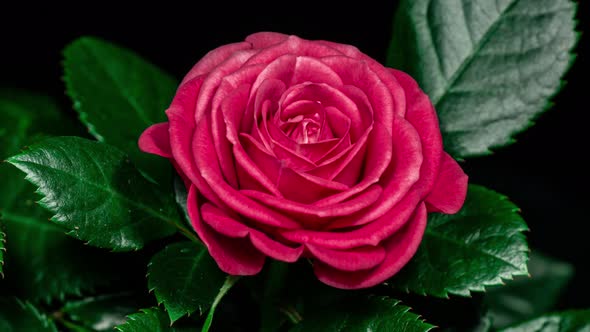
{"points": [[489, 67], [527, 297], [184, 279], [101, 313], [479, 246], [148, 320], [17, 316], [374, 314], [44, 263], [118, 95], [568, 321], [96, 193], [59, 266]]}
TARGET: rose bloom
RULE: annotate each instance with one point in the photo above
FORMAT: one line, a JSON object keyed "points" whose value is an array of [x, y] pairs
{"points": [[292, 149]]}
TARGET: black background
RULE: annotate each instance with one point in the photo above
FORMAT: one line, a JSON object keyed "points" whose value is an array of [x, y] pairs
{"points": [[545, 172]]}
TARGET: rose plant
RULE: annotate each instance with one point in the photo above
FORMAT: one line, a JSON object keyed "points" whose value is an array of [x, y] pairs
{"points": [[283, 158], [307, 149]]}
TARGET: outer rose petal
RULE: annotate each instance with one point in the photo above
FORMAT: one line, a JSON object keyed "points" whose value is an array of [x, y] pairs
{"points": [[400, 248], [156, 140], [214, 58], [266, 39], [422, 116], [356, 259], [450, 188], [226, 225], [234, 256]]}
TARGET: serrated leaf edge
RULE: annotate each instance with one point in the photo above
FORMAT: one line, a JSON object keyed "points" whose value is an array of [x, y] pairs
{"points": [[500, 279], [511, 139], [18, 163], [161, 301]]}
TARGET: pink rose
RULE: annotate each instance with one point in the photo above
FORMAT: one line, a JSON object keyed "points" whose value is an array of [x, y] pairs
{"points": [[293, 148]]}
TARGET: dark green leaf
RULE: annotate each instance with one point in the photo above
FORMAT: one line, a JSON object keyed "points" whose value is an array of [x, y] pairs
{"points": [[148, 320], [185, 279], [366, 314], [489, 67], [568, 321], [44, 263], [118, 95], [102, 313], [527, 297], [41, 262], [16, 316], [479, 246], [96, 193]]}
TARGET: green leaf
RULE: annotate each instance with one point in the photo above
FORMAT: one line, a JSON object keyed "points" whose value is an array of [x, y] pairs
{"points": [[376, 314], [148, 320], [16, 316], [568, 321], [44, 263], [96, 193], [489, 67], [479, 246], [527, 297], [41, 261], [101, 313], [118, 95], [185, 279]]}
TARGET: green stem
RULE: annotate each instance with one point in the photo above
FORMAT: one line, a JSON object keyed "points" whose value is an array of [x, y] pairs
{"points": [[190, 235], [292, 314], [227, 285]]}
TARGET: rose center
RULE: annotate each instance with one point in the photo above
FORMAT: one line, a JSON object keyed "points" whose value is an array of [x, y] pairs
{"points": [[303, 129], [304, 122]]}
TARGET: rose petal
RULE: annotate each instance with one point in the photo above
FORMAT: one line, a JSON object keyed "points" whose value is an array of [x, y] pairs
{"points": [[358, 73], [356, 259], [156, 140], [233, 256], [226, 225], [381, 71], [295, 69], [422, 116], [306, 212], [256, 168], [377, 163], [450, 188], [214, 78], [292, 45], [306, 188], [213, 59], [207, 163], [398, 179], [328, 96], [370, 234], [265, 101], [265, 39], [181, 130], [400, 248]]}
